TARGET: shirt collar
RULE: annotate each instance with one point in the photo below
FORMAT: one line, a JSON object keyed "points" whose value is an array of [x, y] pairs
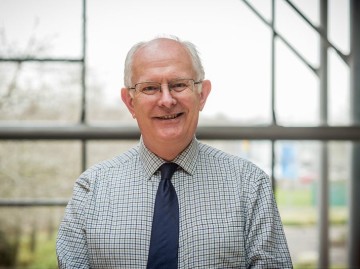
{"points": [[186, 159]]}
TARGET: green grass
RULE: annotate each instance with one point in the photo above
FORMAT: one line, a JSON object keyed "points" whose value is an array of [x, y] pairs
{"points": [[294, 197], [303, 216], [43, 256], [314, 266], [298, 208]]}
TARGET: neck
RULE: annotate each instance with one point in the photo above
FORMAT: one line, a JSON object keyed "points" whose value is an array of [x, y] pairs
{"points": [[167, 151]]}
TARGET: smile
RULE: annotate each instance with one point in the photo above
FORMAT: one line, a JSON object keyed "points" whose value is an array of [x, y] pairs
{"points": [[170, 117]]}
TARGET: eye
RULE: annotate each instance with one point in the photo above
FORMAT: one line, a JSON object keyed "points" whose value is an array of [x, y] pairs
{"points": [[178, 86], [149, 88]]}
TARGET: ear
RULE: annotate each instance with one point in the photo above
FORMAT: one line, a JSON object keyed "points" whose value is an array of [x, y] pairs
{"points": [[205, 91], [128, 100]]}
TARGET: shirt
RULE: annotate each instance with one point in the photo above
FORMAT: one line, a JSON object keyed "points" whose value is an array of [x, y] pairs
{"points": [[228, 214]]}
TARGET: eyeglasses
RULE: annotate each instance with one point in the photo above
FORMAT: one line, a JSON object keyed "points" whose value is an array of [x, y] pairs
{"points": [[178, 85]]}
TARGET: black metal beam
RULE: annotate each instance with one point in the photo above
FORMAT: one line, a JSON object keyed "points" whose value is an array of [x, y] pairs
{"points": [[354, 203], [88, 132], [34, 59], [323, 191]]}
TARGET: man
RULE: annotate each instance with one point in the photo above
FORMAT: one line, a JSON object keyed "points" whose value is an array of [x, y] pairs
{"points": [[225, 213]]}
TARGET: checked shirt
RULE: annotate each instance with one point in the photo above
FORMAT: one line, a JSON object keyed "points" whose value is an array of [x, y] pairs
{"points": [[228, 215]]}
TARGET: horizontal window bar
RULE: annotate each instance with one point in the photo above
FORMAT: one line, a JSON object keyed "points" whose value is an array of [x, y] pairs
{"points": [[29, 59], [89, 132]]}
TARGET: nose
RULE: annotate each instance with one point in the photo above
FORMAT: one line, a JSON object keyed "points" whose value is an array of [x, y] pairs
{"points": [[166, 98]]}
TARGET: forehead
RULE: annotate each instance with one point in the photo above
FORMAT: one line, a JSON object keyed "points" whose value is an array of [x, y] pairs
{"points": [[161, 54], [162, 48]]}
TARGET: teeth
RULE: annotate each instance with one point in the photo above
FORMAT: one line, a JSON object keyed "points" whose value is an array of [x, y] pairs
{"points": [[167, 117]]}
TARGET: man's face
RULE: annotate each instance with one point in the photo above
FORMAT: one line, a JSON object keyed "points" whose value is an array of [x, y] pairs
{"points": [[166, 118]]}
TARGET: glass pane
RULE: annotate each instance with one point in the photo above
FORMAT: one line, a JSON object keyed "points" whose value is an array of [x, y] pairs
{"points": [[297, 90], [297, 32], [233, 43], [297, 173], [339, 24], [262, 7], [40, 91], [27, 237], [38, 169], [339, 176], [310, 9], [339, 90], [40, 28]]}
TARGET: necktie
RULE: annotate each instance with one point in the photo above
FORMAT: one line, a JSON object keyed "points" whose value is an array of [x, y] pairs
{"points": [[164, 243]]}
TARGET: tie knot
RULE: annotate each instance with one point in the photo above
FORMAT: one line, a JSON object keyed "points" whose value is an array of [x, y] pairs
{"points": [[167, 170]]}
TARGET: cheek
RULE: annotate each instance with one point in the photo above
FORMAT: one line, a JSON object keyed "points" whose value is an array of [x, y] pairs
{"points": [[143, 110], [195, 106], [140, 105], [194, 110]]}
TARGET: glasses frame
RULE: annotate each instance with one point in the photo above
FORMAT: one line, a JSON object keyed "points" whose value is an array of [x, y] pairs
{"points": [[161, 84]]}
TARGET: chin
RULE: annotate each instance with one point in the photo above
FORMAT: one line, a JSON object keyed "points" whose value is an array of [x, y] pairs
{"points": [[171, 136]]}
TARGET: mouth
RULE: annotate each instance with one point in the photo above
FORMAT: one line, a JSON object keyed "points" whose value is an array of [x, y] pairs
{"points": [[170, 117]]}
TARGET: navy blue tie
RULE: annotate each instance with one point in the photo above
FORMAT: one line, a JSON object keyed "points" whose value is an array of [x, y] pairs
{"points": [[164, 243]]}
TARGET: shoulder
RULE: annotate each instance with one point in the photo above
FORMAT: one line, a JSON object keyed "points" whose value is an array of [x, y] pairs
{"points": [[229, 162], [94, 182], [116, 163], [247, 178]]}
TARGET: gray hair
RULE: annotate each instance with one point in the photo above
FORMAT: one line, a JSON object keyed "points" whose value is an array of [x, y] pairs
{"points": [[190, 47]]}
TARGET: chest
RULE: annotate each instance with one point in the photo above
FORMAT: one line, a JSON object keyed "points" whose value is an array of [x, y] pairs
{"points": [[211, 224]]}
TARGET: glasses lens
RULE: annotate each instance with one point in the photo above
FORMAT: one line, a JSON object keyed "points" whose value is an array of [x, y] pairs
{"points": [[151, 88], [181, 84], [148, 88]]}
